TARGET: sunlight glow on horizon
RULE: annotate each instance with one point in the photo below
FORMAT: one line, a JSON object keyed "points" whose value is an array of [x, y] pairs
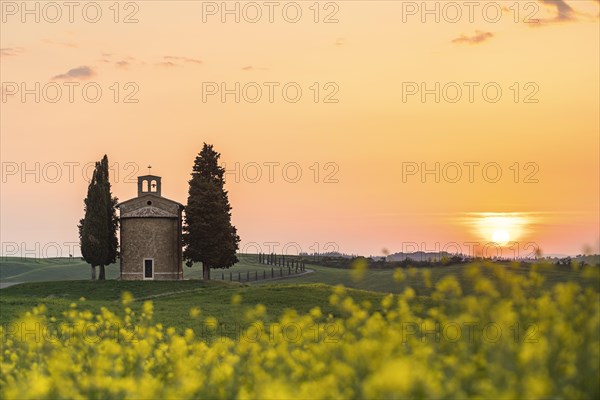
{"points": [[500, 228]]}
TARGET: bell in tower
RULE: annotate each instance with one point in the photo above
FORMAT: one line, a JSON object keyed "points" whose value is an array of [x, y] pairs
{"points": [[148, 184]]}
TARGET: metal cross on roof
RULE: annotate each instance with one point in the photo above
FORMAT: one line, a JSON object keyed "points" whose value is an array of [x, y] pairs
{"points": [[149, 167]]}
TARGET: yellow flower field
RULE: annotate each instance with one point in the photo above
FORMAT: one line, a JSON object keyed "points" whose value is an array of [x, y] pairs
{"points": [[511, 339]]}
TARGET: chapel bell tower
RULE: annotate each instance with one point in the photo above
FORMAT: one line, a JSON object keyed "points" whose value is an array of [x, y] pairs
{"points": [[148, 184]]}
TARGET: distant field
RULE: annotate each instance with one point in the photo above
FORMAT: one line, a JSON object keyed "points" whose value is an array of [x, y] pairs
{"points": [[383, 280], [380, 280]]}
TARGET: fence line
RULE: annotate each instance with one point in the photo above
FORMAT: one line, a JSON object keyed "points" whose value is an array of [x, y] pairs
{"points": [[281, 266], [280, 260], [254, 275]]}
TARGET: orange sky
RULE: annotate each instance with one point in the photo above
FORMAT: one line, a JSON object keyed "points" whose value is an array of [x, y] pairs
{"points": [[366, 61]]}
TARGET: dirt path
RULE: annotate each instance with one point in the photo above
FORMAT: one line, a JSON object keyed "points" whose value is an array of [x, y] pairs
{"points": [[306, 272], [7, 284]]}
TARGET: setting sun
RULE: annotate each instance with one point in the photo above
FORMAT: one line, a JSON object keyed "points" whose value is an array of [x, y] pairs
{"points": [[501, 236]]}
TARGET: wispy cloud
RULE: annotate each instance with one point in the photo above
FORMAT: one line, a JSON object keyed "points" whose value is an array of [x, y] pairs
{"points": [[176, 61], [253, 68], [340, 41], [166, 64], [119, 60], [11, 51], [564, 12], [182, 59], [124, 61], [83, 72], [477, 38]]}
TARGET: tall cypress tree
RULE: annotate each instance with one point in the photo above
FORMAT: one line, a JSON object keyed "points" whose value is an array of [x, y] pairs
{"points": [[112, 218], [98, 228], [208, 235]]}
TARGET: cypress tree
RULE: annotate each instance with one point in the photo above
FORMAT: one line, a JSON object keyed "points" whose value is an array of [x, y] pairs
{"points": [[208, 235], [98, 229]]}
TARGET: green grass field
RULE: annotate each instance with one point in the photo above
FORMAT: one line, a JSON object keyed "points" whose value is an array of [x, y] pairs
{"points": [[172, 300], [66, 281], [18, 269]]}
